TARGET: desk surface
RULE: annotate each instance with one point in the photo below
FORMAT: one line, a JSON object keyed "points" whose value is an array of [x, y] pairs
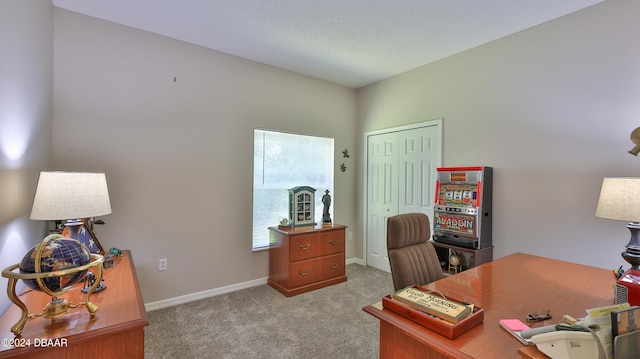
{"points": [[509, 287]]}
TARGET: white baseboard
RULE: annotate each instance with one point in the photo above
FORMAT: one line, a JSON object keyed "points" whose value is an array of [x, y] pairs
{"points": [[165, 303]]}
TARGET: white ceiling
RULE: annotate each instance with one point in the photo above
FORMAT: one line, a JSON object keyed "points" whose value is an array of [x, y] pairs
{"points": [[349, 42]]}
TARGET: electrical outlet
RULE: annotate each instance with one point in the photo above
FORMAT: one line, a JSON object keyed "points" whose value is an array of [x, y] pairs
{"points": [[350, 236], [162, 264]]}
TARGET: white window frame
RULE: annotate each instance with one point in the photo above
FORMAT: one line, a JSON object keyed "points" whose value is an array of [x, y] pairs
{"points": [[283, 160]]}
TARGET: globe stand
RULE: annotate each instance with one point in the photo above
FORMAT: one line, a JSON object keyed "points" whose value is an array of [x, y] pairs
{"points": [[57, 307]]}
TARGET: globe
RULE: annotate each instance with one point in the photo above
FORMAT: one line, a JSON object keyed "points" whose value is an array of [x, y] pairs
{"points": [[56, 254]]}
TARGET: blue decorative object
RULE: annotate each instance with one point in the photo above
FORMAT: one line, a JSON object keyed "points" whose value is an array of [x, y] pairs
{"points": [[58, 254], [116, 252], [52, 267]]}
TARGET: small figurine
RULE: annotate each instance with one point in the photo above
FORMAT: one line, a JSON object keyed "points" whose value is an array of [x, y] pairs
{"points": [[454, 263], [326, 199], [108, 261], [89, 280], [115, 252]]}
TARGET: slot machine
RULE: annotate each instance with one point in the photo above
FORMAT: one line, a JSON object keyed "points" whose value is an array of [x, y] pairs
{"points": [[462, 211]]}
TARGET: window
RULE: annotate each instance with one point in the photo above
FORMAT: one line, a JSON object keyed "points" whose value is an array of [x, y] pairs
{"points": [[282, 161]]}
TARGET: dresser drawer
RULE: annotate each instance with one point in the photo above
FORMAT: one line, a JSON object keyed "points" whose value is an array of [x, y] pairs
{"points": [[306, 259], [332, 242], [313, 245], [316, 270], [304, 246]]}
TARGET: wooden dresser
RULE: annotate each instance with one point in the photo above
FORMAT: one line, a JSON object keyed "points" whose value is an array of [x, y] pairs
{"points": [[116, 331], [302, 259]]}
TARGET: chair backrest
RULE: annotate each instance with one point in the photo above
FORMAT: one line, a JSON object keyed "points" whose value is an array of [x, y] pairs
{"points": [[413, 259]]}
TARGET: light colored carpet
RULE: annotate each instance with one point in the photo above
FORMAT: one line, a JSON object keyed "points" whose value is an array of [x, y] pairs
{"points": [[260, 322]]}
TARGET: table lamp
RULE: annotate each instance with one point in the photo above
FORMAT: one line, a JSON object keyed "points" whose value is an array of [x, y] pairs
{"points": [[71, 196], [620, 200], [56, 263]]}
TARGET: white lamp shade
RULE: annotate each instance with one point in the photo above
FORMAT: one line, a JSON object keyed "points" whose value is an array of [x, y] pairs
{"points": [[620, 199], [70, 195]]}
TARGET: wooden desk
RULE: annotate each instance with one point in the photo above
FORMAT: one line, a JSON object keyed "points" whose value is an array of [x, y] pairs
{"points": [[116, 331], [509, 287], [531, 352]]}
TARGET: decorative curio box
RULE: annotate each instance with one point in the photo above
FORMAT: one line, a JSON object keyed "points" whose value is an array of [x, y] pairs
{"points": [[302, 206]]}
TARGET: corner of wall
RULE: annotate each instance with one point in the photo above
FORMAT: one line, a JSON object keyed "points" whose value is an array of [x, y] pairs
{"points": [[26, 113]]}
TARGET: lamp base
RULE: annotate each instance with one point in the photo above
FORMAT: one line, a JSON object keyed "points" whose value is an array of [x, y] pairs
{"points": [[632, 249], [628, 288], [74, 227], [628, 285]]}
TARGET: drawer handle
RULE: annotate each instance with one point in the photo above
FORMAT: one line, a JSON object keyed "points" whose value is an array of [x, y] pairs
{"points": [[333, 266], [303, 273], [334, 242], [304, 248]]}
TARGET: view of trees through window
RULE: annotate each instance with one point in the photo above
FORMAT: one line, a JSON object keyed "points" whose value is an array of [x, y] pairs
{"points": [[282, 161]]}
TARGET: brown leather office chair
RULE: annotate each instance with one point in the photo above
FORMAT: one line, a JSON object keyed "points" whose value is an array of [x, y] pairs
{"points": [[413, 259]]}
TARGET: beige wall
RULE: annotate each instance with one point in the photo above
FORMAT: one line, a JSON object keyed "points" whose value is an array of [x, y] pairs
{"points": [[179, 154], [551, 109], [26, 85]]}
